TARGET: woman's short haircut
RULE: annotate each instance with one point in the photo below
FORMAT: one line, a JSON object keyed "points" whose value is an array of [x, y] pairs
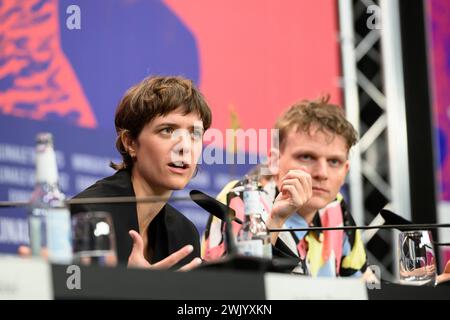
{"points": [[155, 96]]}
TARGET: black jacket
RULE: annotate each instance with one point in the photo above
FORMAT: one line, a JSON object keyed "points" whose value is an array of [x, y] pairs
{"points": [[168, 232]]}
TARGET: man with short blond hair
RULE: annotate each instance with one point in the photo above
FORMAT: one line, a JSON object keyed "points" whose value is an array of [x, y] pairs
{"points": [[308, 170]]}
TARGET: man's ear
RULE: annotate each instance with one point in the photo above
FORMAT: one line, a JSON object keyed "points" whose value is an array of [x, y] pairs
{"points": [[347, 166], [274, 161]]}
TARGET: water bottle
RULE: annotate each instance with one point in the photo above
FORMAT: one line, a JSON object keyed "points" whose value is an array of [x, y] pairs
{"points": [[253, 238], [49, 218]]}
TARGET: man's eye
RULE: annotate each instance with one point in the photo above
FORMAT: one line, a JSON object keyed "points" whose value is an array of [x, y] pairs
{"points": [[335, 162]]}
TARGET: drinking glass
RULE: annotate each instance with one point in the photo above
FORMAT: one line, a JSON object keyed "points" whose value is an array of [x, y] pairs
{"points": [[417, 258], [94, 239]]}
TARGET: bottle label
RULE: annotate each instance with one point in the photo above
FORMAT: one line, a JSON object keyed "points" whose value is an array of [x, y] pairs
{"points": [[267, 251], [59, 236], [46, 166], [37, 231], [252, 248], [252, 203]]}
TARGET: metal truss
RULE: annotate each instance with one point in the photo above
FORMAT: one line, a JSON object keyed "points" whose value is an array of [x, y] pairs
{"points": [[374, 103]]}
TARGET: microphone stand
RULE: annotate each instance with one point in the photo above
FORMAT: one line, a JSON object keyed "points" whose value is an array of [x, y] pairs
{"points": [[100, 200], [401, 227], [233, 260]]}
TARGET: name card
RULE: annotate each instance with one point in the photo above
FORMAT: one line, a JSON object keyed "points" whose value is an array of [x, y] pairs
{"points": [[295, 287], [25, 278]]}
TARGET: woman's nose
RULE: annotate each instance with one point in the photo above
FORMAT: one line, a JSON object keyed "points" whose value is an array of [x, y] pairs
{"points": [[183, 141]]}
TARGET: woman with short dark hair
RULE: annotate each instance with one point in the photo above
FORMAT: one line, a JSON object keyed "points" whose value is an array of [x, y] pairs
{"points": [[160, 124]]}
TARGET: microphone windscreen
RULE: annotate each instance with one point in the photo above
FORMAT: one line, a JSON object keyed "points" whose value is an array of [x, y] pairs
{"points": [[392, 218], [212, 205]]}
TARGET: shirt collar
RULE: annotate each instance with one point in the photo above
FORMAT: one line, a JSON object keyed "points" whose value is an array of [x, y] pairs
{"points": [[297, 221]]}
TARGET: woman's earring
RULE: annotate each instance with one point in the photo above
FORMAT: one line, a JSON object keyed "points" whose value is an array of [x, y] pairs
{"points": [[132, 154]]}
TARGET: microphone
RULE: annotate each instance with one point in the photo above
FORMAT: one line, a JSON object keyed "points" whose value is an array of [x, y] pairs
{"points": [[385, 216], [221, 211], [234, 260], [213, 206], [394, 219]]}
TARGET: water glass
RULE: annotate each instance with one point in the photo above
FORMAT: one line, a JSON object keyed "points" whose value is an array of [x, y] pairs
{"points": [[417, 258], [94, 239]]}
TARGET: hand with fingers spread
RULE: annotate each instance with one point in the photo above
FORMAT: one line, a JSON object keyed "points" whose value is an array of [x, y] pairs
{"points": [[137, 259]]}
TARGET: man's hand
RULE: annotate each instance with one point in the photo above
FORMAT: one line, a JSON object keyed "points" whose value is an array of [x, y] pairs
{"points": [[137, 259], [446, 275], [295, 192]]}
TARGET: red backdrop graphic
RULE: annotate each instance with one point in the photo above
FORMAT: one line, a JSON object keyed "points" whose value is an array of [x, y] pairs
{"points": [[258, 57], [42, 80], [251, 59]]}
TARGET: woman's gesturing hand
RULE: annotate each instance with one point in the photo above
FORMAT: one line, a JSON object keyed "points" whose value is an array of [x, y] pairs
{"points": [[137, 259]]}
